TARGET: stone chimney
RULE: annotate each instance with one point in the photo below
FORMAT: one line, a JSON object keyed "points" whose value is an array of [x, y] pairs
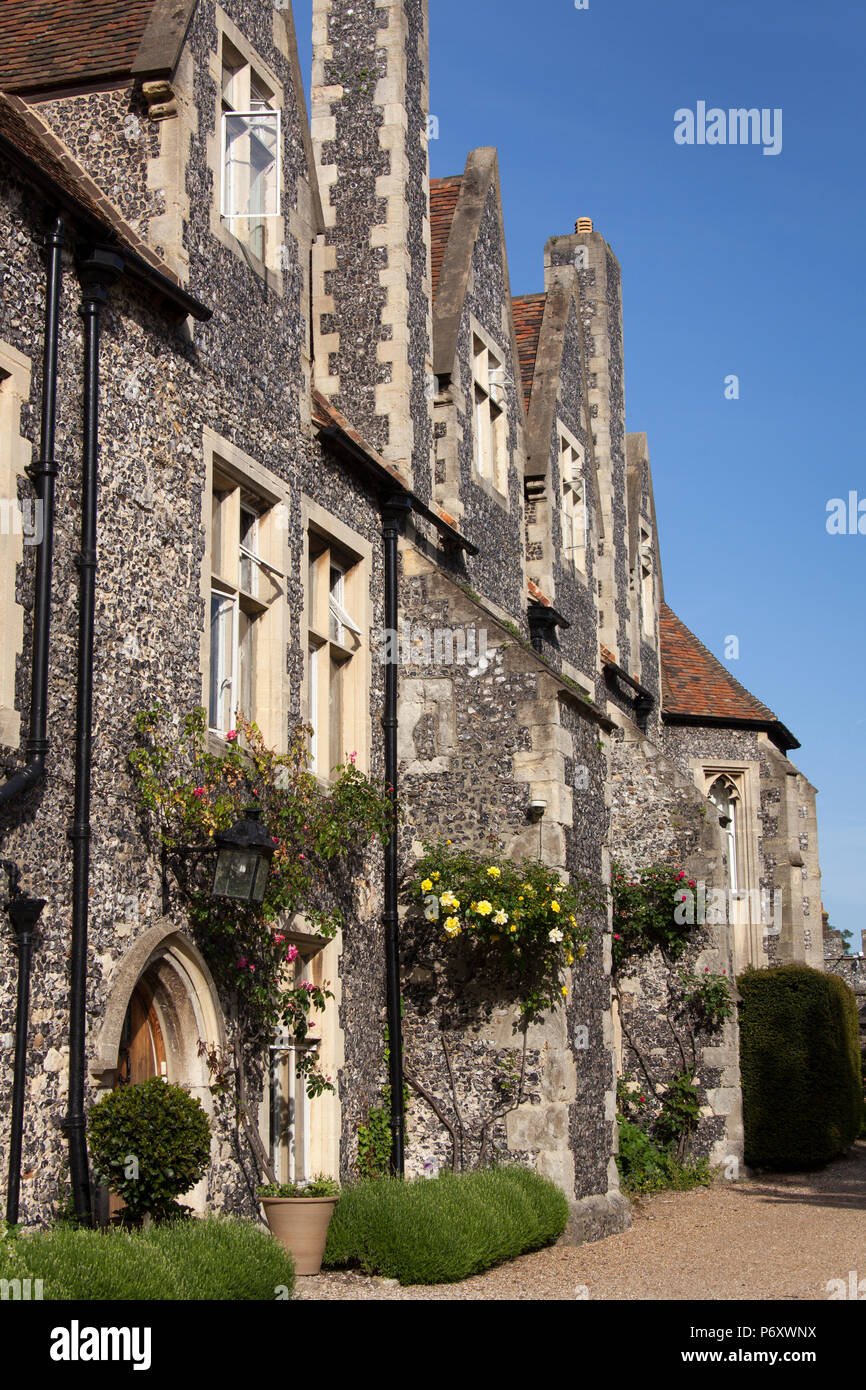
{"points": [[372, 313]]}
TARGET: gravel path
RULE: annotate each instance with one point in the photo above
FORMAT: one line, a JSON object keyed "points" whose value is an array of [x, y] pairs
{"points": [[769, 1237]]}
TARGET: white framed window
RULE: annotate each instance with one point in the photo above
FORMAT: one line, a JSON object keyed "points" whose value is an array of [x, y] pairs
{"points": [[334, 640], [726, 798], [575, 520], [337, 621], [20, 526], [490, 418], [289, 1109], [248, 148], [244, 577]]}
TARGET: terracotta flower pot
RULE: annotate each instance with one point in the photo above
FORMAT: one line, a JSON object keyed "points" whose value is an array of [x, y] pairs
{"points": [[301, 1224]]}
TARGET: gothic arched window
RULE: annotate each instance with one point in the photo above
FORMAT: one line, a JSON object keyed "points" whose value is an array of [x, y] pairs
{"points": [[725, 797]]}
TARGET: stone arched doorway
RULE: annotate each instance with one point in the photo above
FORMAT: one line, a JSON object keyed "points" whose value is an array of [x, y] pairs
{"points": [[162, 1005]]}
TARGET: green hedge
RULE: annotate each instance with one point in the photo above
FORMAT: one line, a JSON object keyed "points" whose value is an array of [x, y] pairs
{"points": [[800, 1059], [214, 1258], [440, 1230]]}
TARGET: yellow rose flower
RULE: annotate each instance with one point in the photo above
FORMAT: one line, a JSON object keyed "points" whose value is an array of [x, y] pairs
{"points": [[554, 907], [569, 959], [501, 918], [512, 929], [436, 877], [582, 952], [452, 926], [564, 991], [427, 885], [494, 873], [573, 920], [484, 908]]}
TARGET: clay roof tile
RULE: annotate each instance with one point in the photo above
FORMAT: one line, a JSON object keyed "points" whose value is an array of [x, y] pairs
{"points": [[54, 43], [528, 315], [444, 194]]}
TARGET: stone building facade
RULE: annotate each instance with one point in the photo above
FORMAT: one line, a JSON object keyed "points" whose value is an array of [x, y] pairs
{"points": [[289, 342]]}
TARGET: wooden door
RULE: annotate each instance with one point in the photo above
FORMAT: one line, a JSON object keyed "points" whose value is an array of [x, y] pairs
{"points": [[142, 1052], [141, 1055]]}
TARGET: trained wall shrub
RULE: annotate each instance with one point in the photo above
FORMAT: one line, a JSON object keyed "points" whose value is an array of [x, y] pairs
{"points": [[440, 1230], [215, 1258], [800, 1060]]}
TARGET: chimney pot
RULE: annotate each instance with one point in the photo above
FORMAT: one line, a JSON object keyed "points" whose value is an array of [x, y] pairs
{"points": [[583, 224]]}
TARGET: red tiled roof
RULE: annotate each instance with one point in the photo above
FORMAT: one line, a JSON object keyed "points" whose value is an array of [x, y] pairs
{"points": [[52, 43], [696, 683], [443, 204], [528, 314]]}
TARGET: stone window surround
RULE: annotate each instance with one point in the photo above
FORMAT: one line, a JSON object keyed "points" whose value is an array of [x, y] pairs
{"points": [[487, 484], [746, 777], [565, 435], [272, 682], [271, 272], [358, 670], [15, 455]]}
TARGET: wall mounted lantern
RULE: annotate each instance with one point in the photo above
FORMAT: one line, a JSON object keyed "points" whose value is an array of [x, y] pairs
{"points": [[244, 856], [243, 860]]}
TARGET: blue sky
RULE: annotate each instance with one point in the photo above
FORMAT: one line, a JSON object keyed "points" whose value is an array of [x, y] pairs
{"points": [[734, 263]]}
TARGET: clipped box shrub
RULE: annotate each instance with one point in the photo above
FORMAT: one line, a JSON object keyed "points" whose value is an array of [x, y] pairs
{"points": [[441, 1230], [800, 1062], [150, 1144], [190, 1260]]}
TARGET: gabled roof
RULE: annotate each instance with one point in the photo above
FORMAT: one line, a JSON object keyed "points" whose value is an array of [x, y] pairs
{"points": [[458, 206], [528, 316], [697, 689], [27, 142], [443, 204], [62, 43]]}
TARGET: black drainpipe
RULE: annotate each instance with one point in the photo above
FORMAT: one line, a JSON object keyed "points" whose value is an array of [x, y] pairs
{"points": [[42, 475], [395, 510], [97, 274], [24, 913]]}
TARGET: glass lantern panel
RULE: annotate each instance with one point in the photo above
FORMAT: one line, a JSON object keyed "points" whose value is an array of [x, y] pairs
{"points": [[235, 874]]}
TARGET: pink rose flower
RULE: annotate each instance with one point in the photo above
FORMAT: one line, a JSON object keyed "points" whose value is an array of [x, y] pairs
{"points": [[242, 963], [199, 791], [292, 953], [231, 735]]}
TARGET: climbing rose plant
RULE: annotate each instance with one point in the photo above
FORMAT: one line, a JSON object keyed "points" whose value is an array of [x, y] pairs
{"points": [[189, 793], [520, 914], [644, 912], [646, 918]]}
